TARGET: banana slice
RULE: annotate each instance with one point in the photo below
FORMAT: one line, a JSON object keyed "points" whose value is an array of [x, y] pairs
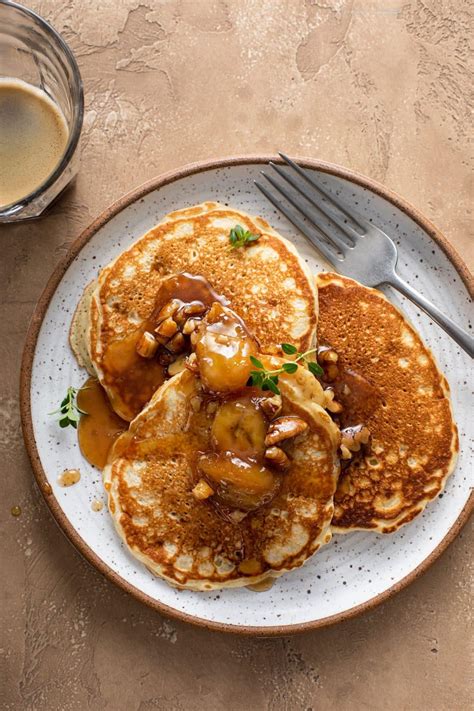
{"points": [[237, 483], [223, 348], [239, 427]]}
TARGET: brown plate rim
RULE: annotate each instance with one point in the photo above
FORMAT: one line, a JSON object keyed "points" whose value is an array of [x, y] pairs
{"points": [[27, 364]]}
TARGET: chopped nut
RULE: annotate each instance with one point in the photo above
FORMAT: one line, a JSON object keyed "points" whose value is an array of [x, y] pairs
{"points": [[196, 403], [177, 343], [222, 339], [168, 310], [277, 457], [334, 407], [331, 404], [177, 366], [191, 363], [147, 345], [180, 317], [327, 355], [271, 406], [194, 338], [283, 428], [162, 340], [214, 312], [354, 437], [202, 490], [345, 453], [167, 328], [237, 515], [212, 407], [190, 326], [194, 308], [331, 372]]}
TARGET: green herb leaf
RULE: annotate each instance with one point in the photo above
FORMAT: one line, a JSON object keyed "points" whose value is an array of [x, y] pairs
{"points": [[315, 368], [239, 237], [256, 362], [69, 412], [288, 348], [290, 367], [272, 386], [256, 378]]}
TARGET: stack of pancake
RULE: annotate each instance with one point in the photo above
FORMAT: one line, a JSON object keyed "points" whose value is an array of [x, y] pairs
{"points": [[150, 475]]}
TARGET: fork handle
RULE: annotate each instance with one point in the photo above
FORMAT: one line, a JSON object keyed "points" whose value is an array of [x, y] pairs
{"points": [[461, 337]]}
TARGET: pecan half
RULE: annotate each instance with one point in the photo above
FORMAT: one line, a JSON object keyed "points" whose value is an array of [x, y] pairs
{"points": [[284, 428], [277, 457]]}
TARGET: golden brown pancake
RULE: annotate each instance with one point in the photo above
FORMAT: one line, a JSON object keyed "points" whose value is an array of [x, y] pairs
{"points": [[190, 543], [266, 283], [405, 405]]}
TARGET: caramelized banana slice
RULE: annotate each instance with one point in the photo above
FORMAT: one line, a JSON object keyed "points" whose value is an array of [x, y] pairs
{"points": [[223, 348], [237, 483], [239, 427]]}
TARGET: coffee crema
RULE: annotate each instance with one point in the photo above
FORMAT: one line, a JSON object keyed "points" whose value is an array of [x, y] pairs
{"points": [[33, 138]]}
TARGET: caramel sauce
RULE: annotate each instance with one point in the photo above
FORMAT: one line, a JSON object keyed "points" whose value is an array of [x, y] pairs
{"points": [[97, 505], [134, 379], [100, 427], [69, 477], [262, 586], [119, 447], [186, 288], [232, 459]]}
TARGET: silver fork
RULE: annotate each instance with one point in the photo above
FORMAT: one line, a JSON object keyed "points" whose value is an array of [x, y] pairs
{"points": [[353, 245]]}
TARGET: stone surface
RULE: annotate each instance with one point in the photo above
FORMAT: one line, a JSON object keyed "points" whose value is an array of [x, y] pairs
{"points": [[381, 87]]}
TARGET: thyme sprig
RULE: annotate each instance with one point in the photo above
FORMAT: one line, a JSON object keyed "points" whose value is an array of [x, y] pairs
{"points": [[268, 379], [69, 412], [239, 237]]}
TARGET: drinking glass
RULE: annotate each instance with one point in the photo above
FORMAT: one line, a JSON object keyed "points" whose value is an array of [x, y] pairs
{"points": [[31, 50]]}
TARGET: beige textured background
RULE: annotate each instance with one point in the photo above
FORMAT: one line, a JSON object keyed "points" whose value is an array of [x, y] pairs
{"points": [[381, 87]]}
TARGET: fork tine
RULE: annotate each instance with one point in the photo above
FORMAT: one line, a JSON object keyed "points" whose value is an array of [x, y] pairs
{"points": [[315, 220], [310, 233], [332, 201], [315, 216]]}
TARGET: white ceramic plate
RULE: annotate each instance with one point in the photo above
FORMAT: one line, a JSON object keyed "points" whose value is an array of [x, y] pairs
{"points": [[353, 572]]}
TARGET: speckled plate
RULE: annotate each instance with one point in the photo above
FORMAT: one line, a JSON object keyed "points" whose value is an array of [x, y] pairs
{"points": [[354, 572]]}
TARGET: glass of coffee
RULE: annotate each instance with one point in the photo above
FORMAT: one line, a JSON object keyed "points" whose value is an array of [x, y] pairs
{"points": [[41, 113]]}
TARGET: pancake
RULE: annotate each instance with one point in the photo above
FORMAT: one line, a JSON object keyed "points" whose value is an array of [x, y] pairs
{"points": [[150, 479], [405, 405], [266, 283], [80, 326]]}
